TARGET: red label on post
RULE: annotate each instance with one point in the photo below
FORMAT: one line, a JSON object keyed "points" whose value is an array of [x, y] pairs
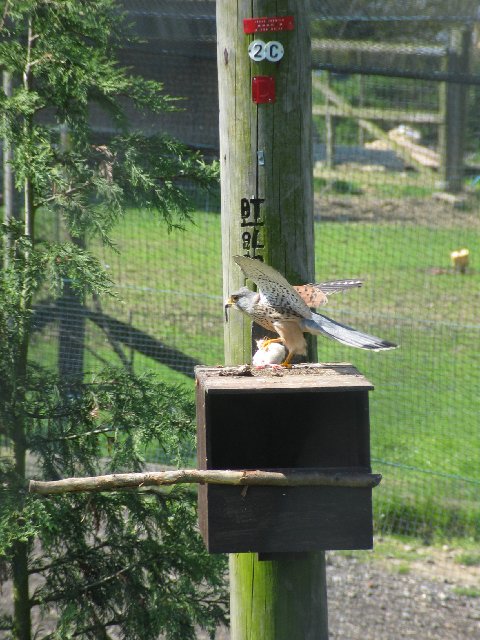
{"points": [[263, 89], [276, 23]]}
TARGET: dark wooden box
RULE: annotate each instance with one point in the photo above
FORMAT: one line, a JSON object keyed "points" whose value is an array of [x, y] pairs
{"points": [[309, 417]]}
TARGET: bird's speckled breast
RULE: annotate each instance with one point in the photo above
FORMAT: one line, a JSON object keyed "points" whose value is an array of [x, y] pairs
{"points": [[266, 315]]}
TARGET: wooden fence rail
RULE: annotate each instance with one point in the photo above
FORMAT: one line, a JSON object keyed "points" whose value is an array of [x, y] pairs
{"points": [[449, 118]]}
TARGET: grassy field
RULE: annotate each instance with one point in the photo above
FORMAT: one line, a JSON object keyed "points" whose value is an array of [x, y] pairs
{"points": [[425, 407]]}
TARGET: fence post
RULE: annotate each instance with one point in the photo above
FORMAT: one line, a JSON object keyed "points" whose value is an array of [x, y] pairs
{"points": [[453, 111], [267, 212], [361, 97], [329, 130]]}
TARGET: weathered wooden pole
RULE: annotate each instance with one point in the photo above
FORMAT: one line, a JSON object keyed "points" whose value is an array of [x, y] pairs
{"points": [[453, 110], [267, 212]]}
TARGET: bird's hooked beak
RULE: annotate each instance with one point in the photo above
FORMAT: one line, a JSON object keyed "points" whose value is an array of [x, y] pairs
{"points": [[228, 304]]}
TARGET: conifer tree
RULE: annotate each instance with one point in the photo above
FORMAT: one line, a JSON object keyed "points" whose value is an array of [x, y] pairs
{"points": [[129, 564]]}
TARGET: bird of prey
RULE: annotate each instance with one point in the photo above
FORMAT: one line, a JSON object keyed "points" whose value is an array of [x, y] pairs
{"points": [[279, 307]]}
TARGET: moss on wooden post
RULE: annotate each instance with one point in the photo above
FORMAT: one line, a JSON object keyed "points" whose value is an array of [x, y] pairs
{"points": [[286, 599], [279, 598]]}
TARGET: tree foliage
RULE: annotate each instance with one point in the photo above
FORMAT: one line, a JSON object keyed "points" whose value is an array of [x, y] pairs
{"points": [[131, 562]]}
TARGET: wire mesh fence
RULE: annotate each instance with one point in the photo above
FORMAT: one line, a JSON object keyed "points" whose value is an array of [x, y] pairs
{"points": [[397, 193], [397, 204]]}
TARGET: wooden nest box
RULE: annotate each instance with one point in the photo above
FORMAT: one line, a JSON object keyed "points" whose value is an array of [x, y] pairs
{"points": [[311, 417]]}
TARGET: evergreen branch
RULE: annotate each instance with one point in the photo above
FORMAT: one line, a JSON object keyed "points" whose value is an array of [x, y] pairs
{"points": [[74, 436], [110, 623], [63, 194], [279, 478], [67, 595], [50, 416], [106, 579], [94, 627], [94, 432], [46, 56], [64, 561]]}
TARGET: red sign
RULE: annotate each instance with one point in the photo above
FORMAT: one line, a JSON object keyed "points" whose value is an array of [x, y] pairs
{"points": [[276, 23], [263, 89]]}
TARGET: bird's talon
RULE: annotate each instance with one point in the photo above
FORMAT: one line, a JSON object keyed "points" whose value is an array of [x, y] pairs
{"points": [[268, 341]]}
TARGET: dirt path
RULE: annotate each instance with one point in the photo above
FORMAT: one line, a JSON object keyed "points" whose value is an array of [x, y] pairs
{"points": [[424, 212], [375, 601]]}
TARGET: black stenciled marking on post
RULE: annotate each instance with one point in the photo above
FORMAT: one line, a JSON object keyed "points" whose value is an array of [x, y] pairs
{"points": [[251, 223]]}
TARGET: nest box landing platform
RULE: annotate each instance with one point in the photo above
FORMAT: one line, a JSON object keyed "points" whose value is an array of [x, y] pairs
{"points": [[307, 417]]}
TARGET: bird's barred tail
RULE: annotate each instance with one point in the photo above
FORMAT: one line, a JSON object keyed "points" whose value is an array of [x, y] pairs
{"points": [[345, 335], [334, 286]]}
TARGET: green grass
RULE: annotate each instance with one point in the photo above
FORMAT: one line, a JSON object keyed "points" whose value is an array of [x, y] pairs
{"points": [[470, 592], [354, 180], [468, 559], [402, 555], [336, 186], [402, 569], [425, 407]]}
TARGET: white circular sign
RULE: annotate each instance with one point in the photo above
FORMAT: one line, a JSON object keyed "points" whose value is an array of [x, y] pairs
{"points": [[274, 51], [256, 50]]}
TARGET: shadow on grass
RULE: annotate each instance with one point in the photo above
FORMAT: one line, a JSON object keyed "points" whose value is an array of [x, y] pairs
{"points": [[119, 334]]}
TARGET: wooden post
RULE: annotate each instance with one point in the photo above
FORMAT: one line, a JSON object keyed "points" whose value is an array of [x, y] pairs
{"points": [[284, 237], [279, 599], [453, 112], [266, 186], [361, 97], [329, 131]]}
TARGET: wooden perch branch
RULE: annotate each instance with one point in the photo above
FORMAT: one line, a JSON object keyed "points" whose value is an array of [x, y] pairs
{"points": [[279, 478]]}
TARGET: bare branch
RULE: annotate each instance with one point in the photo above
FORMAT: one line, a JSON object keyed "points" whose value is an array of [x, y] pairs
{"points": [[279, 478]]}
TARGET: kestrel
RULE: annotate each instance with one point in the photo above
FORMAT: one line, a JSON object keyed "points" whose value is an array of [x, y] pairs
{"points": [[279, 307]]}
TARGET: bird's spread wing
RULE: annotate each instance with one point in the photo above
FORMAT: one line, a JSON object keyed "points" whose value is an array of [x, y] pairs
{"points": [[315, 294], [311, 294], [273, 286]]}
